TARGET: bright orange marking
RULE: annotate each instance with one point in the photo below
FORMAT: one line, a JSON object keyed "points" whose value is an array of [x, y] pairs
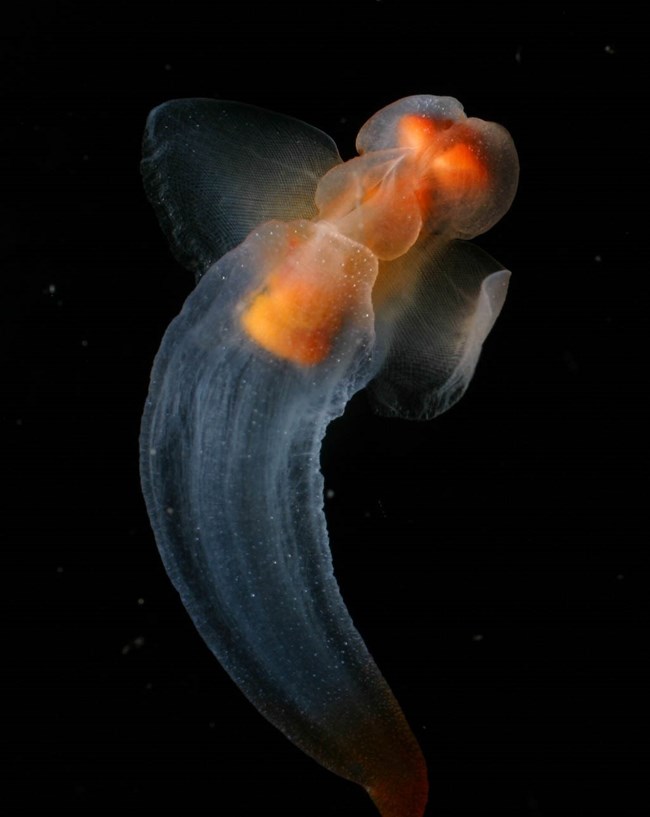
{"points": [[295, 318], [460, 167], [419, 132], [444, 166]]}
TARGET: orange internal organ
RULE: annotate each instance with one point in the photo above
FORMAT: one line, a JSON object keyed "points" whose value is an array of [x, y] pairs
{"points": [[294, 318], [459, 168], [452, 168], [418, 132]]}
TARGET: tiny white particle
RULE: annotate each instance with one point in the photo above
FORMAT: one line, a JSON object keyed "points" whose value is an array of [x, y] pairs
{"points": [[135, 644]]}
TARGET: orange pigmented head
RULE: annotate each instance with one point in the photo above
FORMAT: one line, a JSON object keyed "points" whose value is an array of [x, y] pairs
{"points": [[452, 158], [460, 168], [447, 162], [418, 132]]}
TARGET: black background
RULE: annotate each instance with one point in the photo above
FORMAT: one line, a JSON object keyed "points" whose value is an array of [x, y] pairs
{"points": [[494, 559]]}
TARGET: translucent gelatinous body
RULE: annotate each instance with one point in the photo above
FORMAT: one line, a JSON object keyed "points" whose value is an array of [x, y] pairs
{"points": [[316, 278]]}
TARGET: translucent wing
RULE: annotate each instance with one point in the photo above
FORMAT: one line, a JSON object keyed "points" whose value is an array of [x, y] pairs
{"points": [[432, 333], [214, 170]]}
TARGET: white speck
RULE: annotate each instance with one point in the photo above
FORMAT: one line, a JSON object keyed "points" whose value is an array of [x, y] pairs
{"points": [[620, 577], [609, 49], [51, 289], [477, 637], [329, 493], [84, 343], [135, 644], [598, 258], [168, 67], [169, 511], [140, 602], [59, 569]]}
